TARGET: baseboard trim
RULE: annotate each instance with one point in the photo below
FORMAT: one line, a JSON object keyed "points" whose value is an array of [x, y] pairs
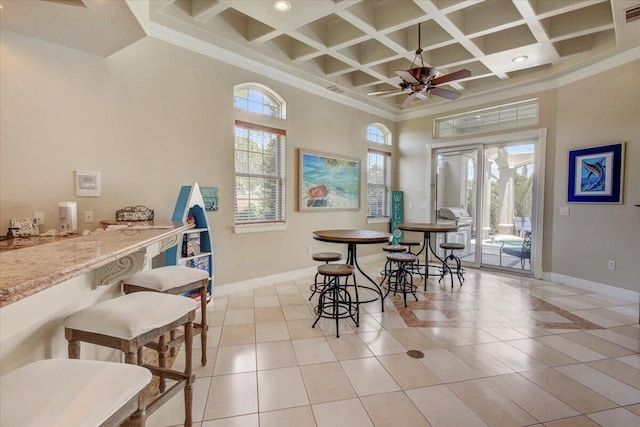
{"points": [[628, 295], [246, 285], [620, 293]]}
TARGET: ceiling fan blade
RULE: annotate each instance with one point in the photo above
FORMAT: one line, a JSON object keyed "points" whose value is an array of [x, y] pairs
{"points": [[445, 93], [456, 75], [383, 92], [422, 96], [407, 77], [408, 99]]}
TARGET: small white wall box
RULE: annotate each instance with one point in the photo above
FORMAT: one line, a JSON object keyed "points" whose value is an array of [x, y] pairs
{"points": [[87, 184], [68, 212]]}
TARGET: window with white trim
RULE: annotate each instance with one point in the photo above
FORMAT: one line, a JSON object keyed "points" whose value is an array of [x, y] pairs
{"points": [[378, 173], [259, 174], [508, 116], [378, 134], [259, 99], [260, 159]]}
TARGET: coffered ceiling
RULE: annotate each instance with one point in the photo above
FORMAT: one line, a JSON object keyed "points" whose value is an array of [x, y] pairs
{"points": [[344, 49]]}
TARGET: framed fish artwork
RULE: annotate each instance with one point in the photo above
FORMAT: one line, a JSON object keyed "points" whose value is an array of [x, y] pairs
{"points": [[328, 182], [596, 173]]}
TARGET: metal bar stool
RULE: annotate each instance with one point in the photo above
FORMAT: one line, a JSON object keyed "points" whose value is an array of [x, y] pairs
{"points": [[325, 257], [335, 301], [174, 280], [128, 323], [388, 271], [410, 244], [401, 279], [446, 268], [74, 393]]}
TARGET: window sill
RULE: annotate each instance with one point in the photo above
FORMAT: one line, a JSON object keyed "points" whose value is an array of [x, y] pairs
{"points": [[258, 228], [379, 220]]}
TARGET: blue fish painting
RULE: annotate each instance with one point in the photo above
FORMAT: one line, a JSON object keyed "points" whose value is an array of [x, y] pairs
{"points": [[593, 175]]}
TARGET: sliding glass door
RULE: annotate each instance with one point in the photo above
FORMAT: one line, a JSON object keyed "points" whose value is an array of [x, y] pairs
{"points": [[488, 191], [508, 206], [457, 197]]}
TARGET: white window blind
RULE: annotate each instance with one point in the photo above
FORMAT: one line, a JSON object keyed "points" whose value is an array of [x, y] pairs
{"points": [[260, 164], [378, 183]]}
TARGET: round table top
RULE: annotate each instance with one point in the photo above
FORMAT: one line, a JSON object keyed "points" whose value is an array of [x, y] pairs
{"points": [[427, 227], [352, 236]]}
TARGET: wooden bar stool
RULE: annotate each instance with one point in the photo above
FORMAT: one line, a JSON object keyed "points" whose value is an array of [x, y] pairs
{"points": [[335, 301], [446, 268], [401, 280], [74, 393], [128, 323], [175, 280], [325, 257]]}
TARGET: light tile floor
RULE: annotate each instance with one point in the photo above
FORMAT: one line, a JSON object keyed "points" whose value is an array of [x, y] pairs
{"points": [[500, 350]]}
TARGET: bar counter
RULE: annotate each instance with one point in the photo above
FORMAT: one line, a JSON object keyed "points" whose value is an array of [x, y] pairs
{"points": [[29, 270], [42, 284]]}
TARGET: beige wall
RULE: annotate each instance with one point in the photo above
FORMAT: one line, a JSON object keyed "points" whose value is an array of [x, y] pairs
{"points": [[154, 117], [151, 118], [598, 110]]}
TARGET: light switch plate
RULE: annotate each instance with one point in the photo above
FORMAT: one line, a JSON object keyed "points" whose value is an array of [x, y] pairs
{"points": [[39, 216], [564, 210]]}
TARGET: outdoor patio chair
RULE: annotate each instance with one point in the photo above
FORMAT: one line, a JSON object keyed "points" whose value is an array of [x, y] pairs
{"points": [[522, 251]]}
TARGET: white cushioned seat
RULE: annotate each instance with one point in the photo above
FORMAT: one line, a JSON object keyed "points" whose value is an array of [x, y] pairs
{"points": [[165, 278], [68, 393], [131, 315]]}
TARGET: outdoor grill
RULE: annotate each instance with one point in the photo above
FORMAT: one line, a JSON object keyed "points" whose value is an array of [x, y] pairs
{"points": [[460, 218], [456, 216]]}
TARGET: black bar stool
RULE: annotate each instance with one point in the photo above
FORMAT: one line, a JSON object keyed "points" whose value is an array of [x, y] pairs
{"points": [[388, 270], [449, 258], [335, 301], [410, 244], [401, 279], [325, 257]]}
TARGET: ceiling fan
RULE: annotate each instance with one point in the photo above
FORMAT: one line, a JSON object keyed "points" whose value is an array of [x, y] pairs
{"points": [[424, 80]]}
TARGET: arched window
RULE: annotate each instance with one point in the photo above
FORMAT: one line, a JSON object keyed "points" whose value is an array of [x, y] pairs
{"points": [[259, 99], [378, 133], [378, 173], [260, 157]]}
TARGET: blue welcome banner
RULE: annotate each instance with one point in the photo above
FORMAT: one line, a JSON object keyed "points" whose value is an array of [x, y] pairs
{"points": [[397, 215]]}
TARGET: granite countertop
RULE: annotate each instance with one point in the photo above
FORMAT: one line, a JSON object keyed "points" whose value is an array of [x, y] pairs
{"points": [[28, 270], [25, 242]]}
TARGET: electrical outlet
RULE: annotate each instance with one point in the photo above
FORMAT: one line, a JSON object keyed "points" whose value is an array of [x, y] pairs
{"points": [[39, 216], [88, 217], [611, 265]]}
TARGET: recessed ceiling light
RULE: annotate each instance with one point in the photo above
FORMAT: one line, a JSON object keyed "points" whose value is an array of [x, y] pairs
{"points": [[520, 58], [282, 5]]}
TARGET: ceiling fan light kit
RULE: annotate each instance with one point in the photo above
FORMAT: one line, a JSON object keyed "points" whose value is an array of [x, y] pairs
{"points": [[422, 80]]}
